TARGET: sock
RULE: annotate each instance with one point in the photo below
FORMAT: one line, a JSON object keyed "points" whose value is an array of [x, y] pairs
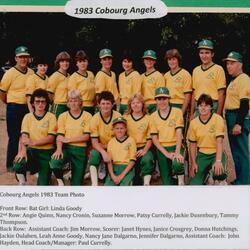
{"points": [[146, 180], [93, 175]]}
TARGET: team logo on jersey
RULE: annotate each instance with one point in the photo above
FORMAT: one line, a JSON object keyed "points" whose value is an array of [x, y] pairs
{"points": [[142, 127], [82, 124], [45, 124], [150, 80], [231, 86], [172, 123], [210, 76], [177, 80], [127, 146], [212, 129]]}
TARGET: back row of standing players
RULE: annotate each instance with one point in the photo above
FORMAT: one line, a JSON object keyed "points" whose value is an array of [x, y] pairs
{"points": [[177, 85]]}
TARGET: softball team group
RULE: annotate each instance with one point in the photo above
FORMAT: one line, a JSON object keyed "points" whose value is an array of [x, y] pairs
{"points": [[172, 122]]}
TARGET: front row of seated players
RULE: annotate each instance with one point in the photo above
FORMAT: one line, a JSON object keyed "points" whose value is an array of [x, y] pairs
{"points": [[125, 154]]}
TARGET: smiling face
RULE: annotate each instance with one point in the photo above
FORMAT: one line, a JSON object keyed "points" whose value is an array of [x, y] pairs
{"points": [[234, 68], [42, 69], [173, 63], [82, 65], [136, 105], [206, 56], [205, 109], [106, 62], [149, 63], [64, 65], [120, 130], [40, 104], [22, 62], [127, 64], [105, 107], [74, 104], [162, 103]]}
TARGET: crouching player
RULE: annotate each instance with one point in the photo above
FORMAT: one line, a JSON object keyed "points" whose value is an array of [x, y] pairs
{"points": [[36, 142], [166, 125], [138, 128], [101, 133], [72, 136], [205, 134], [122, 151]]}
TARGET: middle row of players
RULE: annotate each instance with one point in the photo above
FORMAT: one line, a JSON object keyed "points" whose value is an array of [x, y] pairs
{"points": [[134, 134]]}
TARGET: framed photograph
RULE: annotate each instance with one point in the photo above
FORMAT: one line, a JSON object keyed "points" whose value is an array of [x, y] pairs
{"points": [[155, 216]]}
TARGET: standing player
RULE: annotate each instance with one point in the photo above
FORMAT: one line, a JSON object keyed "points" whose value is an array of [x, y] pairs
{"points": [[58, 84], [105, 79], [101, 133], [122, 152], [130, 81], [71, 141], [237, 116], [138, 128], [37, 80], [205, 135], [208, 78], [12, 92], [36, 142], [151, 79], [166, 126], [83, 80], [179, 83]]}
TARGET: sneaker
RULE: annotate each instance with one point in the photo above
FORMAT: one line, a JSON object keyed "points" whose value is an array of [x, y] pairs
{"points": [[181, 179], [209, 179], [102, 171]]}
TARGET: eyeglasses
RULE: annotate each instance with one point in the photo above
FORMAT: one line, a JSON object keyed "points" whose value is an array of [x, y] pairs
{"points": [[40, 101]]}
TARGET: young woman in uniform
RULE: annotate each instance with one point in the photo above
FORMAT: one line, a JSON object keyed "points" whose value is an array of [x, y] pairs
{"points": [[138, 128], [83, 80], [58, 84], [72, 137], [205, 134], [37, 140]]}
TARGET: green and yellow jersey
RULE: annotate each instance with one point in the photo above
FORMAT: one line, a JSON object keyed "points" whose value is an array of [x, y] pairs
{"points": [[138, 129], [165, 128], [205, 133], [58, 85], [208, 81], [101, 129], [106, 82], [129, 84], [238, 89], [13, 84], [85, 84], [122, 152], [35, 82], [70, 126], [150, 82], [39, 127], [178, 84]]}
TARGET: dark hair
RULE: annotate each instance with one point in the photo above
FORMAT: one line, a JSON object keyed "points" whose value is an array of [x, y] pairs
{"points": [[127, 54], [207, 99], [40, 60], [81, 55], [107, 96], [40, 93], [61, 57], [173, 53]]}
